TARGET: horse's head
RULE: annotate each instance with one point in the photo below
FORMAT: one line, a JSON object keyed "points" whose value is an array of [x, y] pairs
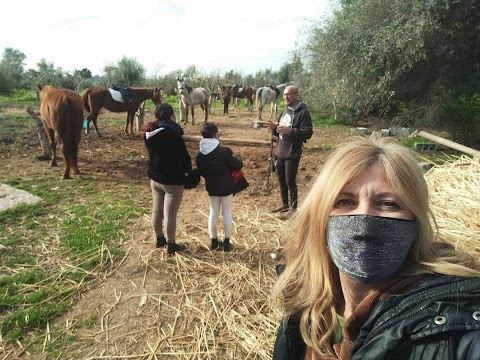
{"points": [[44, 90], [157, 96], [183, 88]]}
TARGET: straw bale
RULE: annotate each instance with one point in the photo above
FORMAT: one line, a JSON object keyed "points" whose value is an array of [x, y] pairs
{"points": [[455, 201]]}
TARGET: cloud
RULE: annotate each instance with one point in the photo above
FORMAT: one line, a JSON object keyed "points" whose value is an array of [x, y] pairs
{"points": [[248, 35]]}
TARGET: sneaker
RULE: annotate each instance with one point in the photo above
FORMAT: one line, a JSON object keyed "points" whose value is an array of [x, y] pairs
{"points": [[287, 215], [172, 248], [281, 208], [161, 241]]}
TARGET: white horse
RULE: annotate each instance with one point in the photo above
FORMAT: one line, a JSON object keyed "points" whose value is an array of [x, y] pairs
{"points": [[191, 97], [265, 95]]}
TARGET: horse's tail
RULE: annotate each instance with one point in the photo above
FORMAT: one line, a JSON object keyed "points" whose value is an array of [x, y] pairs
{"points": [[257, 96], [85, 99], [71, 117]]}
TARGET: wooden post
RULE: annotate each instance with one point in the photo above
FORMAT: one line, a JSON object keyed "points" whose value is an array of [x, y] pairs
{"points": [[140, 117], [243, 142], [41, 133], [448, 143]]}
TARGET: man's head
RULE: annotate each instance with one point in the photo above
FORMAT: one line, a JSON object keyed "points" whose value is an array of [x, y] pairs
{"points": [[209, 130], [290, 94]]}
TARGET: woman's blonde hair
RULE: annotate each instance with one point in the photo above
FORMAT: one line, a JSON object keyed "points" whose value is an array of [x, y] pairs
{"points": [[310, 284]]}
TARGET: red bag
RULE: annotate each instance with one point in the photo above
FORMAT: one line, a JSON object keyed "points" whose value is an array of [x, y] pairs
{"points": [[240, 182]]}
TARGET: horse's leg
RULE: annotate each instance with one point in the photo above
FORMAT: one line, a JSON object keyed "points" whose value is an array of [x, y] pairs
{"points": [[74, 159], [51, 142], [193, 113], [128, 122], [93, 118], [205, 112], [260, 109], [67, 160], [132, 118]]}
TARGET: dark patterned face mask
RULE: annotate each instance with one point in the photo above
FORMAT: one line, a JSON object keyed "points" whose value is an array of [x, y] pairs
{"points": [[369, 249]]}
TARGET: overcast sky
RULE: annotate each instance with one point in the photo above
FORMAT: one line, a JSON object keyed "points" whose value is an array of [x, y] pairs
{"points": [[162, 35]]}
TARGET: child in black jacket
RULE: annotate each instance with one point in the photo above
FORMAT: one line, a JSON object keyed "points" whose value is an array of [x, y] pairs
{"points": [[216, 163]]}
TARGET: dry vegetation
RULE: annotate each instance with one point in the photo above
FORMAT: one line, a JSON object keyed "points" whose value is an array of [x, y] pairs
{"points": [[198, 304]]}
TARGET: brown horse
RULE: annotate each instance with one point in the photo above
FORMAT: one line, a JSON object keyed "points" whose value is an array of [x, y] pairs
{"points": [[224, 96], [101, 97], [243, 92], [61, 111]]}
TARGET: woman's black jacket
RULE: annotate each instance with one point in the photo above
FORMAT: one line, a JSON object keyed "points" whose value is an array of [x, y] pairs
{"points": [[437, 320], [169, 160]]}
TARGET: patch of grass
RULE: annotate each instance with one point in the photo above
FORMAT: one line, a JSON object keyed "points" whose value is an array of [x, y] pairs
{"points": [[19, 96], [15, 118], [80, 223], [20, 321], [321, 120], [411, 141]]}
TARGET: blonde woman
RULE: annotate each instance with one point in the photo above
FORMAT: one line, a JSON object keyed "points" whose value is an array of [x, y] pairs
{"points": [[367, 276]]}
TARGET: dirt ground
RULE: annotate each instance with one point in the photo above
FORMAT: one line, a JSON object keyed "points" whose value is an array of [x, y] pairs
{"points": [[130, 307]]}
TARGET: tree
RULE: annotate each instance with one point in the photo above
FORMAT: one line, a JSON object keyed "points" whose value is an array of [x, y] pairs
{"points": [[127, 72], [284, 73], [11, 70], [394, 58]]}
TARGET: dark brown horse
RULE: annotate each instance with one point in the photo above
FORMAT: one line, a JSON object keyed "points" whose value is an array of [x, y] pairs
{"points": [[101, 97], [243, 92], [61, 111], [224, 96]]}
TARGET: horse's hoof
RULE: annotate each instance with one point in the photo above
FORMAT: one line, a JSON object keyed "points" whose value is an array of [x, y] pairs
{"points": [[66, 176], [53, 163]]}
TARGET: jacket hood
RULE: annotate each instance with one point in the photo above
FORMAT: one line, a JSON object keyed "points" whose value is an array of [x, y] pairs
{"points": [[150, 134], [298, 106], [207, 145]]}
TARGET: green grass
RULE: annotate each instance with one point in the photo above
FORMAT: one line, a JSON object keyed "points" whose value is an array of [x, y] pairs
{"points": [[79, 224], [19, 96], [411, 141], [320, 120]]}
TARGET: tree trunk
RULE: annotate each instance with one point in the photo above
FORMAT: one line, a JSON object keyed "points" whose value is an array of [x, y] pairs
{"points": [[41, 133]]}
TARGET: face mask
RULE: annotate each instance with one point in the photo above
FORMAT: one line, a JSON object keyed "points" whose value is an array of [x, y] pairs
{"points": [[369, 249]]}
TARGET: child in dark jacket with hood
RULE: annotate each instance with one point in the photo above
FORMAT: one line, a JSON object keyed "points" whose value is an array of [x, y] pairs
{"points": [[216, 163]]}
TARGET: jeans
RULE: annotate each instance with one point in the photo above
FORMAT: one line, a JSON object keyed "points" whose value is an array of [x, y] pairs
{"points": [[287, 178]]}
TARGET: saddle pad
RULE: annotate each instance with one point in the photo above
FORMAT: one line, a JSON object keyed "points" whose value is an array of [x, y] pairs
{"points": [[116, 95]]}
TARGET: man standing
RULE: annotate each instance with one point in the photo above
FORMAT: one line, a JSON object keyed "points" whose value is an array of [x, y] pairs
{"points": [[294, 127]]}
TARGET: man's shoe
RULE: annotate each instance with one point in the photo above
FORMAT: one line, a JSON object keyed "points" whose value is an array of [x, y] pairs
{"points": [[281, 208], [287, 215], [173, 248]]}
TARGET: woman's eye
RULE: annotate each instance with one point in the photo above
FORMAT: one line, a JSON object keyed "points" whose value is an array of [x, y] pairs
{"points": [[343, 203], [391, 205]]}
